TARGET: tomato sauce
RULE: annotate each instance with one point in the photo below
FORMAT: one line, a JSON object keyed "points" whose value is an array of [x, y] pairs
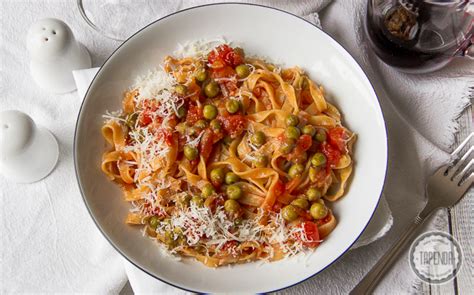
{"points": [[233, 125], [194, 114], [224, 55]]}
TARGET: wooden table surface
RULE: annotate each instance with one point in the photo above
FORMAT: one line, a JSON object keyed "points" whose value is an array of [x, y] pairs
{"points": [[460, 224]]}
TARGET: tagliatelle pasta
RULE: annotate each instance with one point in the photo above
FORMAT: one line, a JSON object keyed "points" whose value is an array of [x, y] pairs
{"points": [[229, 159]]}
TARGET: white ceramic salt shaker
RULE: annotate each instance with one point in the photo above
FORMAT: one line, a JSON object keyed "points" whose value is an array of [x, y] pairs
{"points": [[55, 53], [28, 152]]}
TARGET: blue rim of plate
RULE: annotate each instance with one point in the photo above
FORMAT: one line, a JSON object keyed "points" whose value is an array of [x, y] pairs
{"points": [[201, 6]]}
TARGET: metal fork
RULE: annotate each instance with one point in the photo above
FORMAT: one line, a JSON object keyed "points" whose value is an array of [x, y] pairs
{"points": [[443, 190]]}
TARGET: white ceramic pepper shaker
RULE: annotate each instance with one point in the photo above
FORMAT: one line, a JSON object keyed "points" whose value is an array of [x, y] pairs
{"points": [[28, 153], [54, 54]]}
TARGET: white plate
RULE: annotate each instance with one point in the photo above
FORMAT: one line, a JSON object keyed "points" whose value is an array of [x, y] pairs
{"points": [[264, 31]]}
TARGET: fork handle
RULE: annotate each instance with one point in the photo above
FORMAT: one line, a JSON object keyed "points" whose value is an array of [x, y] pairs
{"points": [[371, 279]]}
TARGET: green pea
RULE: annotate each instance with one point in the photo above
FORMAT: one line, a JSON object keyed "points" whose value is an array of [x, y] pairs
{"points": [[289, 213], [211, 89], [320, 135], [231, 178], [318, 211], [201, 75], [242, 71], [295, 170], [287, 146], [191, 153], [239, 51], [201, 124], [215, 125], [292, 120], [184, 200], [313, 174], [207, 190], [198, 200], [169, 239], [258, 138], [292, 132], [301, 203], [238, 221], [231, 205], [181, 127], [309, 130], [217, 176], [181, 112], [181, 89], [318, 159], [209, 111], [232, 106], [192, 131], [153, 222], [233, 192], [260, 161], [178, 230], [313, 194]]}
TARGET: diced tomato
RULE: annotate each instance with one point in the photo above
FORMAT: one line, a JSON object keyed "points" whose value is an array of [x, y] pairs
{"points": [[216, 136], [277, 207], [224, 72], [306, 215], [224, 55], [332, 154], [194, 114], [279, 188], [229, 245], [321, 175], [145, 118], [219, 201], [150, 105], [310, 230], [167, 135], [304, 142], [337, 137], [281, 137], [257, 91], [302, 145], [206, 144], [233, 124]]}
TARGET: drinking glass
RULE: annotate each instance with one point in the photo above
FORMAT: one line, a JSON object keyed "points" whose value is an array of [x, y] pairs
{"points": [[119, 19], [419, 36]]}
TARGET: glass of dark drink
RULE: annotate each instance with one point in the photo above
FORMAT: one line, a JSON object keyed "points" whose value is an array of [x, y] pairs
{"points": [[420, 36]]}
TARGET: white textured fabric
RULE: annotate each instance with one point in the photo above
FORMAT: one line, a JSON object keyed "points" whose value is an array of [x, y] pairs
{"points": [[50, 244]]}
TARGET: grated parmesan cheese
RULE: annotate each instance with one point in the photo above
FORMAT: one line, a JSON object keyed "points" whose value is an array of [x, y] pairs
{"points": [[198, 48]]}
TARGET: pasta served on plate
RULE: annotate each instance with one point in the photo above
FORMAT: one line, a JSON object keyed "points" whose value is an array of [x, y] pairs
{"points": [[228, 158]]}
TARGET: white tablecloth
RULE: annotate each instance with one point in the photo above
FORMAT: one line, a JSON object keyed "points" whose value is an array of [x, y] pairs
{"points": [[48, 241]]}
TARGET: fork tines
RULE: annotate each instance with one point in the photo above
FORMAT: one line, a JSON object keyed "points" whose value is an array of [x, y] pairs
{"points": [[462, 178]]}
